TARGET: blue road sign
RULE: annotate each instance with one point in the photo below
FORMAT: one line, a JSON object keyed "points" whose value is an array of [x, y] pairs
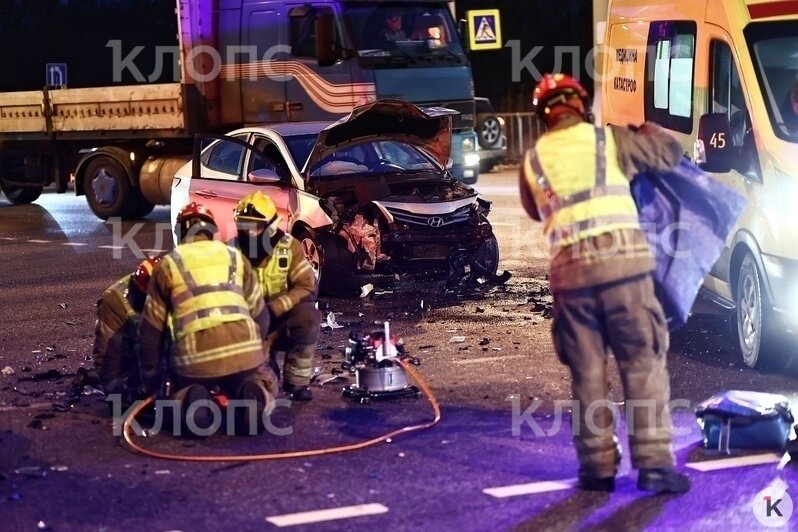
{"points": [[55, 74]]}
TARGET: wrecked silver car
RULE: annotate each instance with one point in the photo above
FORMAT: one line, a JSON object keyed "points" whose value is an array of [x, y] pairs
{"points": [[368, 195]]}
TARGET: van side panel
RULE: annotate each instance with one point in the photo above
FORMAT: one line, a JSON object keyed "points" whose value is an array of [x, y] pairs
{"points": [[624, 74]]}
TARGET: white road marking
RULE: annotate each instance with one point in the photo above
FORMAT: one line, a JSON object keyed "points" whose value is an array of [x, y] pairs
{"points": [[7, 238], [27, 407], [504, 224], [331, 514], [531, 488], [111, 247], [75, 244], [739, 461], [487, 359], [154, 251], [35, 241]]}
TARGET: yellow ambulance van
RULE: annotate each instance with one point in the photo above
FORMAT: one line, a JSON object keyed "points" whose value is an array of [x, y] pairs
{"points": [[722, 76]]}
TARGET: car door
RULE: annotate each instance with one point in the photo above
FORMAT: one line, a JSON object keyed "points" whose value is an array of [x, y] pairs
{"points": [[267, 155], [220, 183]]}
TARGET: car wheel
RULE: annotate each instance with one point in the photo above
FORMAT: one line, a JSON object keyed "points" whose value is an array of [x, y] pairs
{"points": [[487, 255], [332, 262], [490, 131], [756, 336], [486, 166], [107, 187], [21, 195]]}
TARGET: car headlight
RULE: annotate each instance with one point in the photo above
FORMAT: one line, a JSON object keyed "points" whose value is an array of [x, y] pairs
{"points": [[468, 144], [471, 159]]}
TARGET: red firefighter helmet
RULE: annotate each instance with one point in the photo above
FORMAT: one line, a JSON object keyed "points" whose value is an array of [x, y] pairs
{"points": [[143, 273], [559, 89], [196, 218]]}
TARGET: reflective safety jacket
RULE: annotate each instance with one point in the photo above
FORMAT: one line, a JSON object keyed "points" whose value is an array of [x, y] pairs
{"points": [[115, 332], [209, 295], [286, 276], [579, 187]]}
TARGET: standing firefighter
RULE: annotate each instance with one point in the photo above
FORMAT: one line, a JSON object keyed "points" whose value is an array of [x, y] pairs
{"points": [[206, 293], [289, 287], [116, 338], [576, 181]]}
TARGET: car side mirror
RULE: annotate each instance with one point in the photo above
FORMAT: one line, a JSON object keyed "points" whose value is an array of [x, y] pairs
{"points": [[263, 176], [713, 150], [325, 38]]}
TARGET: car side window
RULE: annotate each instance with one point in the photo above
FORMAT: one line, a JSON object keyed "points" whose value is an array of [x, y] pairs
{"points": [[670, 63], [267, 155], [225, 157]]}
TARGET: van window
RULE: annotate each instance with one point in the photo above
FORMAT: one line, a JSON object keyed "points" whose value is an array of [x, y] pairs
{"points": [[670, 63], [774, 49], [726, 97]]}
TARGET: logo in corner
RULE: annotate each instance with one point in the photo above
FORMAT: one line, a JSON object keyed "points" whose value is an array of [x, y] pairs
{"points": [[773, 506]]}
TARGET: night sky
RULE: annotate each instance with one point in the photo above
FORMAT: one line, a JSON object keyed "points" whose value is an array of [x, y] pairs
{"points": [[546, 23]]}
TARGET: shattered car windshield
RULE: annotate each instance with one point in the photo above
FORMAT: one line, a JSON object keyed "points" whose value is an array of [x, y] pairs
{"points": [[374, 158], [774, 49], [384, 33]]}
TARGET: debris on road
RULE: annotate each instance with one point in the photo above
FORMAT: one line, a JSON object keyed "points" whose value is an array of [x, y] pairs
{"points": [[31, 472], [8, 371], [63, 305], [366, 289], [479, 310], [457, 339], [484, 341], [331, 322]]}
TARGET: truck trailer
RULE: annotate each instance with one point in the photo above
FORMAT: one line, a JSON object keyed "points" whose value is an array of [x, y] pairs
{"points": [[110, 93]]}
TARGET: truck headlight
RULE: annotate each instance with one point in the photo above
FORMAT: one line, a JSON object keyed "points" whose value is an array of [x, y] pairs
{"points": [[471, 159], [467, 145]]}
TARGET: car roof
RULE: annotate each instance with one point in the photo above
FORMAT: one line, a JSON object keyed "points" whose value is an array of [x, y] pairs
{"points": [[288, 129]]}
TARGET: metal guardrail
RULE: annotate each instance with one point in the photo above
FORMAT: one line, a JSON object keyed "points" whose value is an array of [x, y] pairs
{"points": [[521, 129]]}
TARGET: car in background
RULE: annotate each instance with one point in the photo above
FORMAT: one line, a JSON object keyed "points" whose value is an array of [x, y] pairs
{"points": [[369, 194], [490, 135]]}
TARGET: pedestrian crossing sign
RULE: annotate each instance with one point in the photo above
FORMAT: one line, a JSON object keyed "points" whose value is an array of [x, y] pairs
{"points": [[484, 29]]}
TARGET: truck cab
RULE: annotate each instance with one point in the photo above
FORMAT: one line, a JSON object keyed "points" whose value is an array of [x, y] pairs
{"points": [[317, 60], [718, 74]]}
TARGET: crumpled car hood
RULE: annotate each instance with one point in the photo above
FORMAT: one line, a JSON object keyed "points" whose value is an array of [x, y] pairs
{"points": [[429, 128]]}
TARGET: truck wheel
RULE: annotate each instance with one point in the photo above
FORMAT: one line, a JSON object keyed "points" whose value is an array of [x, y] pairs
{"points": [[756, 328], [490, 131], [107, 188], [332, 262], [21, 195]]}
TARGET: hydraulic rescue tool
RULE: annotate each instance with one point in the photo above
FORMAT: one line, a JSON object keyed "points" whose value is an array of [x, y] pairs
{"points": [[374, 360]]}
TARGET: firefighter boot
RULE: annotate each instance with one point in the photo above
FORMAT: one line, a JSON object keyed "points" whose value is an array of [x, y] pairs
{"points": [[257, 403], [606, 484], [663, 480], [195, 410], [298, 369]]}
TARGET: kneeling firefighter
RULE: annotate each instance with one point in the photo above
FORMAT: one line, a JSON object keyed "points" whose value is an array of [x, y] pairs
{"points": [[116, 335], [289, 287], [208, 295]]}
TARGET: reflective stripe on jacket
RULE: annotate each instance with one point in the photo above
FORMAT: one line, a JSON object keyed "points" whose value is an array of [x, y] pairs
{"points": [[207, 290], [273, 277], [578, 186]]}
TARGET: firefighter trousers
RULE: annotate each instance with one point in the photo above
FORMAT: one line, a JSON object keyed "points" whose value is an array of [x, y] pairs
{"points": [[296, 332], [625, 317]]}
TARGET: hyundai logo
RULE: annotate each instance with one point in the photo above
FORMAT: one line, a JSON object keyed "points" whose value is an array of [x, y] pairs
{"points": [[435, 221]]}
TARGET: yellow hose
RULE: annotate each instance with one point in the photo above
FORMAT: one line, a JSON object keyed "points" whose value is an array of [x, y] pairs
{"points": [[128, 434]]}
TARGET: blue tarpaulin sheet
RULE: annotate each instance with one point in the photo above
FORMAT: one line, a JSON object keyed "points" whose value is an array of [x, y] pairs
{"points": [[687, 216]]}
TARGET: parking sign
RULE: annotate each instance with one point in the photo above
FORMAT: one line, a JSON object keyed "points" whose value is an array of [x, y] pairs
{"points": [[484, 29]]}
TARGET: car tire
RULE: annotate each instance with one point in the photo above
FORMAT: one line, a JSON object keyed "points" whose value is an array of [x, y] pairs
{"points": [[332, 262], [21, 195], [487, 255], [757, 334], [107, 188], [490, 131]]}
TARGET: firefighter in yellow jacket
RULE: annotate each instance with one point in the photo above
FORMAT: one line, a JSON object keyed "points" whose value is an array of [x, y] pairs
{"points": [[116, 336], [288, 284], [576, 181], [205, 300]]}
